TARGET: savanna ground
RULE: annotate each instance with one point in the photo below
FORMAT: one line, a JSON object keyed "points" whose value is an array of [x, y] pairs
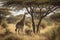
{"points": [[50, 32]]}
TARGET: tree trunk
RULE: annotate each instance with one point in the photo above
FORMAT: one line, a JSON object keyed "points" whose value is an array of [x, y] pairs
{"points": [[38, 25], [33, 24]]}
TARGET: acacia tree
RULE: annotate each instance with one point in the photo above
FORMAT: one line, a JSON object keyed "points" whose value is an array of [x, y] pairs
{"points": [[36, 8]]}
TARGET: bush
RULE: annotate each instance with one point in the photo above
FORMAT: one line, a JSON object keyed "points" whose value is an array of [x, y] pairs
{"points": [[4, 23], [58, 30], [28, 31], [55, 32], [28, 23], [51, 34], [44, 22], [13, 38]]}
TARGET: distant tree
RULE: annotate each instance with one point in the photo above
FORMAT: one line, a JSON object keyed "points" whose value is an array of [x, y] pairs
{"points": [[3, 13], [14, 19], [55, 17]]}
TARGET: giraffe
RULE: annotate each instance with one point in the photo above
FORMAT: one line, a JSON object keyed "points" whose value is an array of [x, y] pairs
{"points": [[20, 24]]}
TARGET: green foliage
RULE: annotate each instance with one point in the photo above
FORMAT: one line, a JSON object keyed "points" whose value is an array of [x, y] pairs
{"points": [[55, 17], [51, 34], [28, 23], [15, 3], [54, 0], [1, 18], [14, 19], [4, 23], [28, 31], [4, 11], [54, 32], [44, 22], [57, 30]]}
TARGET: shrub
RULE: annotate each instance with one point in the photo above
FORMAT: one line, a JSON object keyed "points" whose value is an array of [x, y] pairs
{"points": [[55, 32], [28, 31], [13, 38], [4, 24], [58, 30], [44, 22], [28, 23], [51, 34]]}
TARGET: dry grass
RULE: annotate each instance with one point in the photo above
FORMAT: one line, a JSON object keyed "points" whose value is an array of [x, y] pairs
{"points": [[23, 35]]}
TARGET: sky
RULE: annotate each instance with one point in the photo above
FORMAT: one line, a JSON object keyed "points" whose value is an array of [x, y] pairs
{"points": [[14, 13], [18, 12], [24, 10]]}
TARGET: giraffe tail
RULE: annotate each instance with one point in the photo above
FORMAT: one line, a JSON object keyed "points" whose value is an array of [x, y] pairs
{"points": [[16, 30]]}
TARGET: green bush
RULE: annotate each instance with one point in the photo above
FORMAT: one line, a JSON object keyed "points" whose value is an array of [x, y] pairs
{"points": [[44, 22], [28, 23], [58, 30], [4, 23], [51, 34], [28, 31]]}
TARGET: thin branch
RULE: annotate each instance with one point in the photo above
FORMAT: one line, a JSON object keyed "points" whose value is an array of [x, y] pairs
{"points": [[28, 10], [50, 11], [53, 9], [32, 11]]}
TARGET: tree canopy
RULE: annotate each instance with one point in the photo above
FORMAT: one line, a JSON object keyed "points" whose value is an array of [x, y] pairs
{"points": [[4, 11]]}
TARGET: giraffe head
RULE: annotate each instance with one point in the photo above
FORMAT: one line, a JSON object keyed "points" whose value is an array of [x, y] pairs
{"points": [[26, 13]]}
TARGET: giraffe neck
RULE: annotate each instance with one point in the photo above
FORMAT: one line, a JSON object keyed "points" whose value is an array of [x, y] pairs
{"points": [[23, 19]]}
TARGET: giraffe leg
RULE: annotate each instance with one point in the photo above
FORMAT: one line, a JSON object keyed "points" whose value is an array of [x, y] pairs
{"points": [[18, 30]]}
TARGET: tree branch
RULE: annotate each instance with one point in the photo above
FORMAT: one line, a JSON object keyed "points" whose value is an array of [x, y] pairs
{"points": [[49, 11], [28, 10], [31, 9]]}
